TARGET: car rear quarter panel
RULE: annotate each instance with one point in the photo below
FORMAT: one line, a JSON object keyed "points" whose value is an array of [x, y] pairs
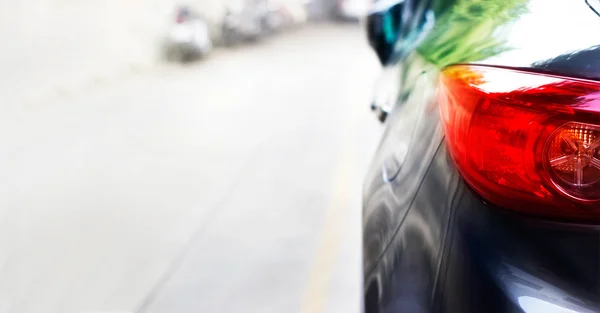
{"points": [[424, 229]]}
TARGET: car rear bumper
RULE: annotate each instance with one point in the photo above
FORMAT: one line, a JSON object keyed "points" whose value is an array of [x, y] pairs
{"points": [[451, 252]]}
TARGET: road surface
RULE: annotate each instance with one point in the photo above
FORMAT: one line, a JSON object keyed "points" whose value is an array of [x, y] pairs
{"points": [[228, 185]]}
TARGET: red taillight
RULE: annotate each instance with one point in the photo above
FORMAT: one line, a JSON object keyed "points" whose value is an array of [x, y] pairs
{"points": [[524, 140]]}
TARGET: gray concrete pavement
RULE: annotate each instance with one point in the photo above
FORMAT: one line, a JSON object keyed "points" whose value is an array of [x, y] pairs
{"points": [[229, 185]]}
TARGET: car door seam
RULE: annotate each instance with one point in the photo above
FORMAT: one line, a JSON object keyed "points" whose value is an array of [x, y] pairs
{"points": [[389, 243]]}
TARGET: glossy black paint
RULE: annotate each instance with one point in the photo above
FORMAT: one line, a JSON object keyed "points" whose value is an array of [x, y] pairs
{"points": [[430, 243], [393, 28]]}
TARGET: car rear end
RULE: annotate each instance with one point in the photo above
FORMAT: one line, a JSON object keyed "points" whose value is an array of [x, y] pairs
{"points": [[485, 193]]}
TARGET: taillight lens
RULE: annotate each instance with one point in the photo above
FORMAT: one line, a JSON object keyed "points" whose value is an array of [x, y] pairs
{"points": [[524, 140]]}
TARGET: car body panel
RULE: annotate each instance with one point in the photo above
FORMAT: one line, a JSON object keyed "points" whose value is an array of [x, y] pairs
{"points": [[430, 243]]}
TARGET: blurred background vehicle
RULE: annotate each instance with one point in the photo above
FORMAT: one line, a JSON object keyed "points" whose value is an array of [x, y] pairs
{"points": [[213, 12], [286, 14], [189, 36], [273, 18], [244, 20], [351, 10], [294, 12]]}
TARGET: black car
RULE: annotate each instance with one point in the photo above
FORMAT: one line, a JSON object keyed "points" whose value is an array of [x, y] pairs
{"points": [[484, 194]]}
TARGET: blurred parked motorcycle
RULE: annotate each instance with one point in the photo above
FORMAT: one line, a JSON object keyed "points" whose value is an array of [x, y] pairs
{"points": [[243, 21], [272, 16], [294, 13], [188, 37]]}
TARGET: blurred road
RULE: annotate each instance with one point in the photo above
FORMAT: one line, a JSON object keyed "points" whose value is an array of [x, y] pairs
{"points": [[228, 185]]}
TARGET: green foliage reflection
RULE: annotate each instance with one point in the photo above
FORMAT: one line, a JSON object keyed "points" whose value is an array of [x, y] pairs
{"points": [[471, 30]]}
